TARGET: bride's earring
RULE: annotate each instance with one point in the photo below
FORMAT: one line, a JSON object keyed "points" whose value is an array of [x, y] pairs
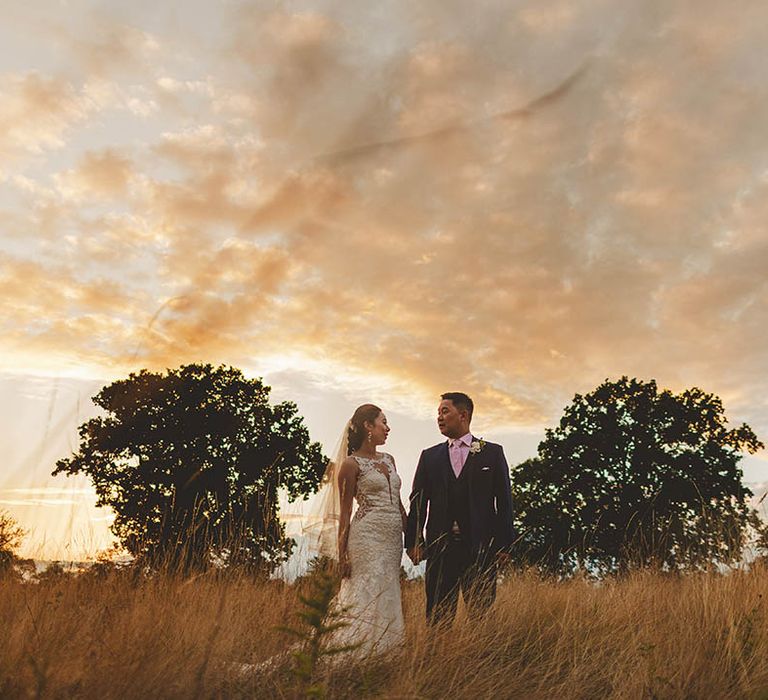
{"points": [[370, 436]]}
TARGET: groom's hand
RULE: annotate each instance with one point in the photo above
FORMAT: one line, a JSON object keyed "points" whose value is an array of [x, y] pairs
{"points": [[414, 554]]}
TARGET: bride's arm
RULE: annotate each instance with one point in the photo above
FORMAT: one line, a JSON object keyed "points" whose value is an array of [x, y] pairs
{"points": [[403, 512], [347, 490]]}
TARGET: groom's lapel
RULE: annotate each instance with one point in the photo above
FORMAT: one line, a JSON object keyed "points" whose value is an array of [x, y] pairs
{"points": [[446, 468], [470, 464]]}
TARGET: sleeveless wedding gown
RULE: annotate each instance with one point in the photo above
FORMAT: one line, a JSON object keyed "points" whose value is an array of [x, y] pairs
{"points": [[369, 600]]}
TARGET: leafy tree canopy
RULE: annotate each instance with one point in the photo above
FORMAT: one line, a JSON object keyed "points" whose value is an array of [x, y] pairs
{"points": [[634, 476], [191, 462], [11, 536]]}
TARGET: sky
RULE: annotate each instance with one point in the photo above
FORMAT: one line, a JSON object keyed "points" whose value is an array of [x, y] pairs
{"points": [[375, 202]]}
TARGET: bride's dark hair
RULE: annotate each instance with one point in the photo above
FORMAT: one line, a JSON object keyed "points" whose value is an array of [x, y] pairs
{"points": [[357, 431]]}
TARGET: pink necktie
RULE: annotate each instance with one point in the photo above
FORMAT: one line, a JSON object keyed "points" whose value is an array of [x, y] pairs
{"points": [[456, 461]]}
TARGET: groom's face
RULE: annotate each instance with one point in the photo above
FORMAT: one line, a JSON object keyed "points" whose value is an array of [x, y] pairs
{"points": [[452, 422]]}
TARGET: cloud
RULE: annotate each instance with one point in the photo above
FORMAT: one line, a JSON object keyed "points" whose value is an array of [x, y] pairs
{"points": [[369, 191], [36, 111], [38, 502], [110, 47], [48, 490], [104, 174]]}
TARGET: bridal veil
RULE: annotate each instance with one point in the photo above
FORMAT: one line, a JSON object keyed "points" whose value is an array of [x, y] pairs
{"points": [[321, 525]]}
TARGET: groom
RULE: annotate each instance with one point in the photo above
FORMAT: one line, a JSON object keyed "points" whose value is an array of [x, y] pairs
{"points": [[461, 490]]}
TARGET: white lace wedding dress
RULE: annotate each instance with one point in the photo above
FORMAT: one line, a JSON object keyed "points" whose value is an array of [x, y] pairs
{"points": [[369, 600], [370, 597]]}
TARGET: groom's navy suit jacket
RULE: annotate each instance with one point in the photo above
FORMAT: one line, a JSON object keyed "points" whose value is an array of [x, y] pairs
{"points": [[489, 494]]}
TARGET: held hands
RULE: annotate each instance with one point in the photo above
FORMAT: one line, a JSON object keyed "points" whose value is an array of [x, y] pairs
{"points": [[404, 517], [415, 554]]}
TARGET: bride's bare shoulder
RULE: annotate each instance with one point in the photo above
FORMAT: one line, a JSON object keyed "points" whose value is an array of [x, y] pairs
{"points": [[349, 467]]}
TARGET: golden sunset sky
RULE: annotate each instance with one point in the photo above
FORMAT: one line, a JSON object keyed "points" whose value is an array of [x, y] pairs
{"points": [[375, 201]]}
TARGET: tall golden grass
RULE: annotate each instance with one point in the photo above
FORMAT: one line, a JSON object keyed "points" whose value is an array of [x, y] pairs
{"points": [[645, 636]]}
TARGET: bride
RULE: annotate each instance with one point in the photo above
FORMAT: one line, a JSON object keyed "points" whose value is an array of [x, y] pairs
{"points": [[367, 545]]}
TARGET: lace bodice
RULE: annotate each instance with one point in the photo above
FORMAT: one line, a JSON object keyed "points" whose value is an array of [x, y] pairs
{"points": [[370, 597], [378, 484]]}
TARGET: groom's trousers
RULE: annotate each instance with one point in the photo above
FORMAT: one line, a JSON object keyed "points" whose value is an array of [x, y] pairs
{"points": [[452, 567]]}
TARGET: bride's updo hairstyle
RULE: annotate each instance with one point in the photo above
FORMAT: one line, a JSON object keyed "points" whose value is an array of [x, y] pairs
{"points": [[357, 430]]}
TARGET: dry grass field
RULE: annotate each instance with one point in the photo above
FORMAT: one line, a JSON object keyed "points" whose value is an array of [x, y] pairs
{"points": [[647, 636]]}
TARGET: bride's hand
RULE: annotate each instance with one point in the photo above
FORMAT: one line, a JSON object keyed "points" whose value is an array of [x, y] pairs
{"points": [[415, 554]]}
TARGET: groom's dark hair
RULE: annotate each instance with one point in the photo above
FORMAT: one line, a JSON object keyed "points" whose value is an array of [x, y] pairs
{"points": [[460, 400]]}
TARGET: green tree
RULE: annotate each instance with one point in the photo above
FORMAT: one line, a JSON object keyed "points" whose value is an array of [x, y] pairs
{"points": [[634, 476], [10, 539], [191, 462]]}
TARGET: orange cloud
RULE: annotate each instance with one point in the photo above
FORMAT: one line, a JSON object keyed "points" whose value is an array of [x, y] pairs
{"points": [[36, 111], [388, 193], [99, 174]]}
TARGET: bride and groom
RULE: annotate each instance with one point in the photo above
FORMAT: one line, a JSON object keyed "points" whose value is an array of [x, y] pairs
{"points": [[461, 493]]}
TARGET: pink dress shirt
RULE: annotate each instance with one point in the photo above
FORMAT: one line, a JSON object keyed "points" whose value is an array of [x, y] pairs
{"points": [[458, 450]]}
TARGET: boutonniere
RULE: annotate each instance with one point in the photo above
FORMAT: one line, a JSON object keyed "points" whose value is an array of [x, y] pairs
{"points": [[477, 446]]}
